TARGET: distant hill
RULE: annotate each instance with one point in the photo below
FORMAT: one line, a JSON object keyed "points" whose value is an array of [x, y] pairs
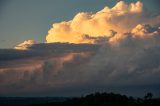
{"points": [[107, 99], [96, 99], [27, 101]]}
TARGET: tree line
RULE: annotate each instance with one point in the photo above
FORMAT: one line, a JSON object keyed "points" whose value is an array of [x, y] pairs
{"points": [[108, 99]]}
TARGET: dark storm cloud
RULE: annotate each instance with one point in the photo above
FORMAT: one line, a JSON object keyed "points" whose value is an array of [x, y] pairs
{"points": [[9, 54], [40, 65], [56, 68], [40, 49]]}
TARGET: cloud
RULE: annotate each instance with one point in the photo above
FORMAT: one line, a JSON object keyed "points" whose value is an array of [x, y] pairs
{"points": [[44, 66], [122, 18], [145, 31], [60, 67], [25, 44], [142, 32], [115, 47]]}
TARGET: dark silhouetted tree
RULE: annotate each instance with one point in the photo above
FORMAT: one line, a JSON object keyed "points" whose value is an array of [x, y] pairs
{"points": [[148, 96]]}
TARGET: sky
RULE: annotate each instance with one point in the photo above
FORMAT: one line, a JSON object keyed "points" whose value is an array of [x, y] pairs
{"points": [[27, 19], [72, 48]]}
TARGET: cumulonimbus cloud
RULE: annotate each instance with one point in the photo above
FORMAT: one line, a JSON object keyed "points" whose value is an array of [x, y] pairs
{"points": [[122, 46], [107, 23]]}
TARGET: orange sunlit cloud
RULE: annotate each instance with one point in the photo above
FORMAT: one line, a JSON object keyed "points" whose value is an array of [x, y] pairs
{"points": [[103, 23]]}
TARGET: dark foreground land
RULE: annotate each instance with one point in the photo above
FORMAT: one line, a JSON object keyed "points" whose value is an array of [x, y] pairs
{"points": [[97, 99]]}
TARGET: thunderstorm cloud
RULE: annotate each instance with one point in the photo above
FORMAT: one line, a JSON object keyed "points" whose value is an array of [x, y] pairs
{"points": [[113, 49]]}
